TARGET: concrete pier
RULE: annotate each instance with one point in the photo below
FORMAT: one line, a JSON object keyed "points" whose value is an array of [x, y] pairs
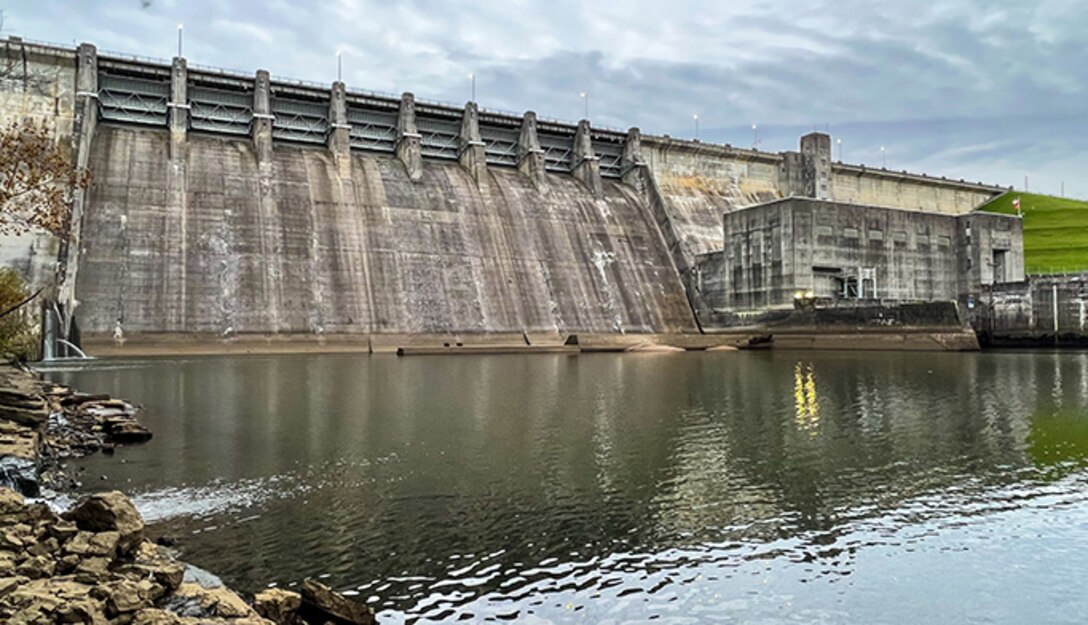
{"points": [[634, 167], [267, 271], [179, 102], [339, 142], [86, 120], [173, 285], [408, 138], [473, 157], [262, 116], [587, 165], [530, 154]]}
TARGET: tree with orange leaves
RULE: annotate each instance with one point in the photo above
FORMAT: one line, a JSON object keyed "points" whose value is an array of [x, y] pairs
{"points": [[37, 179]]}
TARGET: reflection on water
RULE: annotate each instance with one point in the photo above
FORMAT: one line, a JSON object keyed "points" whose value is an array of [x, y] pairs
{"points": [[753, 487], [804, 396]]}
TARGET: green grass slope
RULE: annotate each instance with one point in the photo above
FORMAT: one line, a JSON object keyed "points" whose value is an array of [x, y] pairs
{"points": [[1055, 231]]}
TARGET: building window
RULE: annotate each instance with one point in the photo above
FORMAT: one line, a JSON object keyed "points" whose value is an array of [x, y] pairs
{"points": [[944, 241], [850, 233], [900, 237], [876, 235], [922, 240], [824, 231]]}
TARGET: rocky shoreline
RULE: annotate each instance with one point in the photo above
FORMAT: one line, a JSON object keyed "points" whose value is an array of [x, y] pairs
{"points": [[42, 424], [92, 563]]}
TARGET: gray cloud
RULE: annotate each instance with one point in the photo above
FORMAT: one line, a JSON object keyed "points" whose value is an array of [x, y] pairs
{"points": [[980, 89]]}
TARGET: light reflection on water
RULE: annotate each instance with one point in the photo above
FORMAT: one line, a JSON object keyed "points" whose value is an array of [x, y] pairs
{"points": [[755, 487]]}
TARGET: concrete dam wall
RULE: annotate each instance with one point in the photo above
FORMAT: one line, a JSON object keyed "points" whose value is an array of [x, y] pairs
{"points": [[227, 204], [301, 249]]}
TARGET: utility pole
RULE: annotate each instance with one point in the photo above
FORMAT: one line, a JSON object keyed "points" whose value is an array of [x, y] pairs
{"points": [[472, 79], [1025, 183], [884, 157], [839, 143], [696, 118], [755, 136], [585, 102], [181, 28], [339, 67]]}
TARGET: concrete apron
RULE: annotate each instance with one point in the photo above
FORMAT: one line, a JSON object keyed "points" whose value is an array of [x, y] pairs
{"points": [[945, 339]]}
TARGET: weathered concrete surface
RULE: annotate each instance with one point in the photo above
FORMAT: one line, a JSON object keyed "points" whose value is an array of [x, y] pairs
{"points": [[190, 234], [880, 187], [1042, 310], [777, 249], [699, 182], [36, 84], [854, 325], [370, 253]]}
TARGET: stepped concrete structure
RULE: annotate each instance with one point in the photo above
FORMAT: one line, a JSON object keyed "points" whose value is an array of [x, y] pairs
{"points": [[227, 205]]}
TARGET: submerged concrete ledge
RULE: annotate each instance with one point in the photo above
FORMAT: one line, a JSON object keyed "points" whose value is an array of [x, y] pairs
{"points": [[180, 344], [900, 339]]}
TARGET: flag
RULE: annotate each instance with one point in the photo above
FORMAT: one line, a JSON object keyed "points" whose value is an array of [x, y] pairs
{"points": [[1016, 203]]}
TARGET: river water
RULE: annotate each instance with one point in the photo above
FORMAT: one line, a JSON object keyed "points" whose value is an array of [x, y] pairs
{"points": [[773, 487]]}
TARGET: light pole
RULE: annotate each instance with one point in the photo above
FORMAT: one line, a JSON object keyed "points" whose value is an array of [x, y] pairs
{"points": [[696, 118], [181, 27], [839, 143], [339, 67], [755, 135], [585, 103], [884, 157], [472, 79]]}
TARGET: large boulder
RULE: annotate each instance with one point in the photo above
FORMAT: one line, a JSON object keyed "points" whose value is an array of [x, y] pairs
{"points": [[94, 544], [278, 605], [321, 604], [109, 512], [11, 502]]}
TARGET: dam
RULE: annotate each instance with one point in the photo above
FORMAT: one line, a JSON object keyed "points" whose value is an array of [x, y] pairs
{"points": [[227, 205]]}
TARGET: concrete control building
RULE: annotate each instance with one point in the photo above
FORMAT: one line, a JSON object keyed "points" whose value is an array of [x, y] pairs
{"points": [[833, 252]]}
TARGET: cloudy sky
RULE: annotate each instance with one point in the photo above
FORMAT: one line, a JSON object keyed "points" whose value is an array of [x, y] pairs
{"points": [[991, 90]]}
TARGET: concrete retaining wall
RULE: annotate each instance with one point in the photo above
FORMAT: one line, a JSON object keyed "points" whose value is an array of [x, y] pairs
{"points": [[1043, 310]]}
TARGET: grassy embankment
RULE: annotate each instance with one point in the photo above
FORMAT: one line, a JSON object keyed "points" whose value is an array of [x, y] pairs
{"points": [[1055, 231]]}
